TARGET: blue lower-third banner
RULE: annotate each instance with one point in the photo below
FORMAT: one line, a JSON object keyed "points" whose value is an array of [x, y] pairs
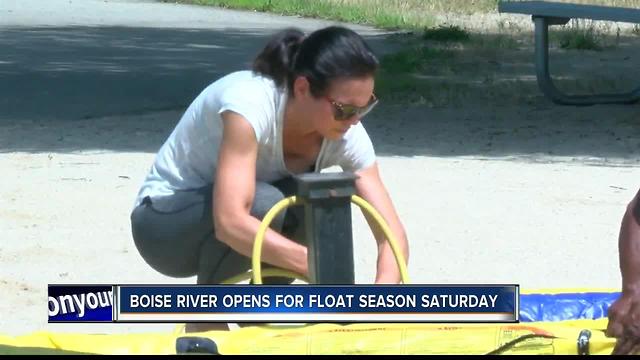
{"points": [[317, 303], [80, 303]]}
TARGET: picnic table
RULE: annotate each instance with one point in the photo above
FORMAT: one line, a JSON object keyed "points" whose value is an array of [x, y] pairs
{"points": [[545, 14]]}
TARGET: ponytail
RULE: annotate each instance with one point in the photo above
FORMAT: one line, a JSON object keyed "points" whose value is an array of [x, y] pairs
{"points": [[325, 55], [276, 59]]}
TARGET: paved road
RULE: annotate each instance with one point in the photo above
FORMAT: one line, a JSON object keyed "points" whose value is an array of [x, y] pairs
{"points": [[75, 59]]}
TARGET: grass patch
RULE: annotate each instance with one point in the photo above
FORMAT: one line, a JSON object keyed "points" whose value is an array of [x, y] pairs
{"points": [[494, 42], [401, 76], [580, 40], [384, 14], [452, 33], [414, 59], [584, 35], [412, 15], [580, 35], [410, 89]]}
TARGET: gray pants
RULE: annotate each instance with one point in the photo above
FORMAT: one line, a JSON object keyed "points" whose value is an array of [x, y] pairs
{"points": [[175, 235]]}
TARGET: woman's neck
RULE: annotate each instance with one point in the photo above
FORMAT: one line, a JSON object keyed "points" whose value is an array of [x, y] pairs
{"points": [[297, 128]]}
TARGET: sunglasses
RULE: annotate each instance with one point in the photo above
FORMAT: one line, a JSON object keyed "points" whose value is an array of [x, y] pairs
{"points": [[342, 112]]}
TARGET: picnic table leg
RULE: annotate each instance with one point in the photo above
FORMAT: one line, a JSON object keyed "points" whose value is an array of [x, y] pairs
{"points": [[546, 83]]}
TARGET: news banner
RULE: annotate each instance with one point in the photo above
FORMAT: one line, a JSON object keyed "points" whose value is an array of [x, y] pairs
{"points": [[281, 304]]}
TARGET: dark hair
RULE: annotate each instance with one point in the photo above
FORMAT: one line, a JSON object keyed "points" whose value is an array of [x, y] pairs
{"points": [[326, 54]]}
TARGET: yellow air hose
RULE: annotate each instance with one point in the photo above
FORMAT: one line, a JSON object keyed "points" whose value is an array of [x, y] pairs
{"points": [[256, 273], [393, 242]]}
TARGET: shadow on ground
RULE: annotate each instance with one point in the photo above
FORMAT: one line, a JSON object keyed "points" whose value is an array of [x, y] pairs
{"points": [[123, 89]]}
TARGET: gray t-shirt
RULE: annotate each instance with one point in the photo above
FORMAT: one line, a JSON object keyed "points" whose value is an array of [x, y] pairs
{"points": [[188, 158]]}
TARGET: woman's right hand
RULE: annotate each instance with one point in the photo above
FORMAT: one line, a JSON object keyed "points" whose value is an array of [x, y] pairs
{"points": [[233, 195]]}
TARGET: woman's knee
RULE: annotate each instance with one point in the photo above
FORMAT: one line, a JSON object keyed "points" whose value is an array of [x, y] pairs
{"points": [[218, 262]]}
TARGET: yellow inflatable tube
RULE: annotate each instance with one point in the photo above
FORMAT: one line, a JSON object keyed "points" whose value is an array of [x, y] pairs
{"points": [[559, 338]]}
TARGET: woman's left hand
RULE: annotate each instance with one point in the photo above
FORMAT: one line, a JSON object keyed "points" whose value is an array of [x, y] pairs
{"points": [[370, 187]]}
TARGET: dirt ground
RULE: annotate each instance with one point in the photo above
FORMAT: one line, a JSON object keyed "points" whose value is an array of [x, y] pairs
{"points": [[493, 182]]}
